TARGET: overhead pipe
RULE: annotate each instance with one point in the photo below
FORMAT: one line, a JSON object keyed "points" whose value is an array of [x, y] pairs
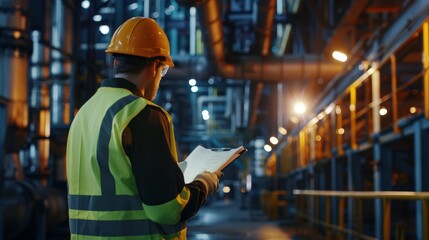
{"points": [[256, 68], [264, 26], [265, 22]]}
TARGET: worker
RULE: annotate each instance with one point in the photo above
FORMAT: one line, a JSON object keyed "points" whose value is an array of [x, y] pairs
{"points": [[124, 180]]}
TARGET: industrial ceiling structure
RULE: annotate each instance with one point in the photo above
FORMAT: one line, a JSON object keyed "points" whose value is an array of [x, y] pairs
{"points": [[251, 60]]}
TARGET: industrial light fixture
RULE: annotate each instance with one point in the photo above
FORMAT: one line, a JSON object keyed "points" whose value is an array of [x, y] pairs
{"points": [[205, 114], [299, 108], [194, 89], [104, 29], [268, 148], [274, 140], [192, 82], [339, 56], [282, 130], [85, 4], [383, 111], [97, 18]]}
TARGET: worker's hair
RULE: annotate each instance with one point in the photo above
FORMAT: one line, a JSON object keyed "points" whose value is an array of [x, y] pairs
{"points": [[131, 64]]}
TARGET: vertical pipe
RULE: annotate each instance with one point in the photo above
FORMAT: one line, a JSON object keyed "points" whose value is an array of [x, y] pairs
{"points": [[246, 104], [386, 219], [394, 94], [341, 207], [192, 30], [2, 157], [375, 81], [302, 151], [426, 66], [13, 83], [279, 108], [377, 187], [350, 187], [339, 118], [418, 176], [328, 217], [57, 70], [425, 220], [146, 10], [353, 117]]}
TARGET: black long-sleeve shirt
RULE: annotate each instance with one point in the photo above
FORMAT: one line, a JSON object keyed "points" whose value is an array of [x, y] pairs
{"points": [[146, 141]]}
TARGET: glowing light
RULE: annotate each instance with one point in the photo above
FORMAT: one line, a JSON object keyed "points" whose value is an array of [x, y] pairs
{"points": [[205, 114], [282, 131], [340, 131], [226, 189], [337, 110], [413, 110], [194, 89], [339, 56], [85, 4], [299, 108], [383, 111], [318, 138], [97, 18], [16, 34], [133, 6], [329, 109], [192, 82], [268, 148], [274, 140], [104, 29]]}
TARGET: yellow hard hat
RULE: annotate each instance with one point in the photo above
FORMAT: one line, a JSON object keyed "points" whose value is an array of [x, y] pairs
{"points": [[139, 36]]}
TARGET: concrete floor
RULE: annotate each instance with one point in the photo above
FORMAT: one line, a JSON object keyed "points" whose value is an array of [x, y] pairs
{"points": [[224, 220]]}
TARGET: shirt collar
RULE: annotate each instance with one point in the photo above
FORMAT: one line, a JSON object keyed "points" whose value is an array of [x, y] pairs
{"points": [[121, 83]]}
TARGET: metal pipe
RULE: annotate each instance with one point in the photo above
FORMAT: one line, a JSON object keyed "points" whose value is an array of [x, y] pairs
{"points": [[256, 68], [264, 26]]}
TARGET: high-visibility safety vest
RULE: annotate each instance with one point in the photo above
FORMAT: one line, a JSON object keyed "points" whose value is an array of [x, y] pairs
{"points": [[102, 194]]}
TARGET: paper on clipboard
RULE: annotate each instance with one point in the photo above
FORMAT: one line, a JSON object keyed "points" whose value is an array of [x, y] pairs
{"points": [[207, 159]]}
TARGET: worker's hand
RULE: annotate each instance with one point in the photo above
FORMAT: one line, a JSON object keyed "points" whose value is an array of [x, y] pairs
{"points": [[210, 181]]}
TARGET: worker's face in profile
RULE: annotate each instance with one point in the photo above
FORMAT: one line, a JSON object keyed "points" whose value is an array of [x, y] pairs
{"points": [[152, 89]]}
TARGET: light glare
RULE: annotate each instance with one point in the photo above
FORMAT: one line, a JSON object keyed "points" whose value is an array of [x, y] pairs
{"points": [[226, 189], [339, 56], [97, 18], [104, 29], [274, 140], [85, 4], [268, 148], [383, 111], [282, 131], [133, 6], [205, 114], [300, 108], [192, 82], [194, 89]]}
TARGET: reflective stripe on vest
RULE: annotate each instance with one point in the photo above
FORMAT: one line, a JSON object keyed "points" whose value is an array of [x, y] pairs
{"points": [[123, 214]]}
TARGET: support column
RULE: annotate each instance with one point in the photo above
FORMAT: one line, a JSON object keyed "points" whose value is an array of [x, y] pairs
{"points": [[350, 183], [377, 187], [336, 179], [426, 66], [418, 175]]}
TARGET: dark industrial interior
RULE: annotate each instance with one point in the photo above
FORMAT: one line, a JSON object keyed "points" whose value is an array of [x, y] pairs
{"points": [[350, 164]]}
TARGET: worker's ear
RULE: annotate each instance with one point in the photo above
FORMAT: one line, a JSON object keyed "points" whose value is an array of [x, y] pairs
{"points": [[153, 68]]}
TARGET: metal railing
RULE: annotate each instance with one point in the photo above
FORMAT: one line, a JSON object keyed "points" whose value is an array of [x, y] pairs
{"points": [[304, 211]]}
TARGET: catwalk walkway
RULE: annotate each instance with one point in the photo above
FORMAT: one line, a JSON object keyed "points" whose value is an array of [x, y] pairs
{"points": [[224, 220]]}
